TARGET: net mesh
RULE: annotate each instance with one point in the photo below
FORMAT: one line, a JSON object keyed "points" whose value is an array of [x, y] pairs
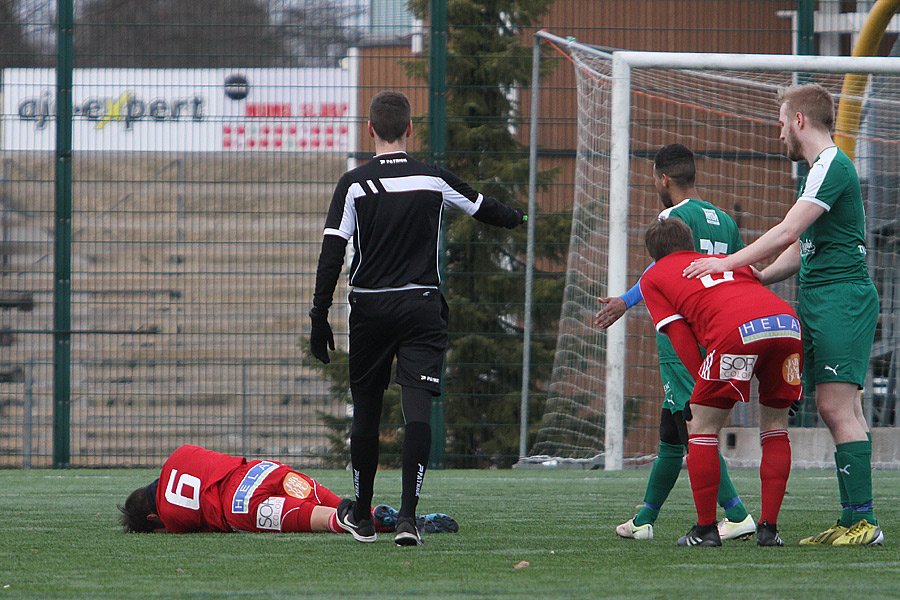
{"points": [[730, 121]]}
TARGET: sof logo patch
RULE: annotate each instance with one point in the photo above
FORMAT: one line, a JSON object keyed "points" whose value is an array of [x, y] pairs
{"points": [[737, 366], [296, 486], [268, 514], [790, 369]]}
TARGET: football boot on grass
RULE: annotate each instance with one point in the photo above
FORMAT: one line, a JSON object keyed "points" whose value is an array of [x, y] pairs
{"points": [[701, 535], [636, 532], [733, 530], [861, 534]]}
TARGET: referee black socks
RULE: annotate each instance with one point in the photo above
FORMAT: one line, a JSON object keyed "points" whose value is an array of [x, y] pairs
{"points": [[364, 458], [416, 451]]}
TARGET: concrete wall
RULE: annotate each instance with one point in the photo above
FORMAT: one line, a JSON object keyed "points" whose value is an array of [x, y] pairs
{"points": [[810, 447]]}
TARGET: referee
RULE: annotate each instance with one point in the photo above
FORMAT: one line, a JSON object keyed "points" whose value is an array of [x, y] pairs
{"points": [[391, 207]]}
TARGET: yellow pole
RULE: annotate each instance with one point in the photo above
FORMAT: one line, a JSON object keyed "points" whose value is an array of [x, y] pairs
{"points": [[870, 36]]}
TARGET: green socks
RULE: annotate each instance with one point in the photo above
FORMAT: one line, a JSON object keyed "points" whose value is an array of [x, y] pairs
{"points": [[854, 471], [846, 512], [728, 497], [663, 476]]}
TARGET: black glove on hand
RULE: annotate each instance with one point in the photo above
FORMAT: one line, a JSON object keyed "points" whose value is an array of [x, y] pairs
{"points": [[521, 217], [794, 408], [321, 339], [686, 412]]}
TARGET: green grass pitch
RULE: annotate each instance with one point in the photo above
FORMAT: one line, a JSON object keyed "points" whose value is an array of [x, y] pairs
{"points": [[59, 539]]}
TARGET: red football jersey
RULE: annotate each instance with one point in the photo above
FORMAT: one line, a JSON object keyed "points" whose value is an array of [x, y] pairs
{"points": [[200, 490], [714, 305], [189, 496]]}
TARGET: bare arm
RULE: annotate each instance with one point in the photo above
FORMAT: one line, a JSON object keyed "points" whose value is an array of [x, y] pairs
{"points": [[612, 310], [777, 239], [787, 264], [614, 307]]}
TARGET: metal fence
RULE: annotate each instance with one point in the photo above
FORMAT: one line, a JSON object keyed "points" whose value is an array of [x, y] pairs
{"points": [[165, 304]]}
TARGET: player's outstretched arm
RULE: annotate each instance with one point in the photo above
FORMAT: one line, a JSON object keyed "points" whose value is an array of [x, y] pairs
{"points": [[496, 213], [459, 194], [774, 241], [612, 310], [786, 265], [614, 307]]}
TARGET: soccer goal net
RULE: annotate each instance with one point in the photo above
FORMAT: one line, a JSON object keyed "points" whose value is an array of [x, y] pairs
{"points": [[605, 393]]}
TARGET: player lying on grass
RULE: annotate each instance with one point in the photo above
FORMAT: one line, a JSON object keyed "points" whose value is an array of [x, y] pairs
{"points": [[200, 490], [747, 331]]}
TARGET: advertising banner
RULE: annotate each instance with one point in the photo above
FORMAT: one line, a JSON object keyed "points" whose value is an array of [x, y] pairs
{"points": [[184, 110]]}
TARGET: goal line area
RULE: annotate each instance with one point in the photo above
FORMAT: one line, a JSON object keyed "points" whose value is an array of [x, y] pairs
{"points": [[604, 395]]}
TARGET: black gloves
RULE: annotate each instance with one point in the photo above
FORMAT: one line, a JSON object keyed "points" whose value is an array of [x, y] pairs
{"points": [[498, 214], [321, 339], [521, 217], [795, 407]]}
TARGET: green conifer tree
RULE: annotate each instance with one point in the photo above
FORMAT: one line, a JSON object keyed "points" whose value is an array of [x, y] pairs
{"points": [[488, 61], [483, 267]]}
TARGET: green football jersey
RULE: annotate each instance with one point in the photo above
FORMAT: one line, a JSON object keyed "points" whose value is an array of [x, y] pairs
{"points": [[715, 232], [833, 248]]}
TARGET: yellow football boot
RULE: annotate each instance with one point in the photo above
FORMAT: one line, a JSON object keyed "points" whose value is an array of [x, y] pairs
{"points": [[826, 538], [861, 534]]}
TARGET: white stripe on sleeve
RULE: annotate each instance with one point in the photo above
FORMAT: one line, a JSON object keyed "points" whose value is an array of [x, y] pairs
{"points": [[666, 321]]}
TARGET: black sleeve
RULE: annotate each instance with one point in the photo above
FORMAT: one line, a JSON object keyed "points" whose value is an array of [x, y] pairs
{"points": [[338, 199], [331, 259], [496, 213], [491, 211]]}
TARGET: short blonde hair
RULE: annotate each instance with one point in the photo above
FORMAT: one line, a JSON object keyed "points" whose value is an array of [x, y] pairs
{"points": [[810, 99]]}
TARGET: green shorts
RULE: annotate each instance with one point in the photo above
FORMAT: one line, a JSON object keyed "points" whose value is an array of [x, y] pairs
{"points": [[677, 385], [838, 321]]}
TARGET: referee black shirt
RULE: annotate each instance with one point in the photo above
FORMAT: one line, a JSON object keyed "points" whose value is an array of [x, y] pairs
{"points": [[392, 208]]}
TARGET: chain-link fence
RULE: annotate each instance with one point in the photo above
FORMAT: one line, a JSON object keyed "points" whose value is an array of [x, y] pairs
{"points": [[207, 137]]}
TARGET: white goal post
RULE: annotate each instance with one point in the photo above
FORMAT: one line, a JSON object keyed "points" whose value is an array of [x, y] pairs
{"points": [[731, 89]]}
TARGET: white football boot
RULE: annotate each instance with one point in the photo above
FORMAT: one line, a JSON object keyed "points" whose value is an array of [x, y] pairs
{"points": [[731, 530], [637, 532]]}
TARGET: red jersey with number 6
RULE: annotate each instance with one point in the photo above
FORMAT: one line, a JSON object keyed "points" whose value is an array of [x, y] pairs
{"points": [[189, 496], [201, 490], [714, 305]]}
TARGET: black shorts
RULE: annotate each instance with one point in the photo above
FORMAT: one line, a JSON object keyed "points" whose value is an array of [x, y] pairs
{"points": [[408, 324]]}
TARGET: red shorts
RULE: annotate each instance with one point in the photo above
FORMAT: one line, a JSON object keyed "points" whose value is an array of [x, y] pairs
{"points": [[775, 359], [269, 496]]}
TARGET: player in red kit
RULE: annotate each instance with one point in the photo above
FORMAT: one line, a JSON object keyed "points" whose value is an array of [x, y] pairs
{"points": [[200, 490], [747, 331]]}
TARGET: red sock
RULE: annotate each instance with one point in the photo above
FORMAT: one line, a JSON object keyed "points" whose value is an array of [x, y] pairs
{"points": [[703, 469], [333, 524], [774, 471]]}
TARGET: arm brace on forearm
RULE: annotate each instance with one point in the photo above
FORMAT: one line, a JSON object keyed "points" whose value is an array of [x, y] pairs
{"points": [[634, 295]]}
